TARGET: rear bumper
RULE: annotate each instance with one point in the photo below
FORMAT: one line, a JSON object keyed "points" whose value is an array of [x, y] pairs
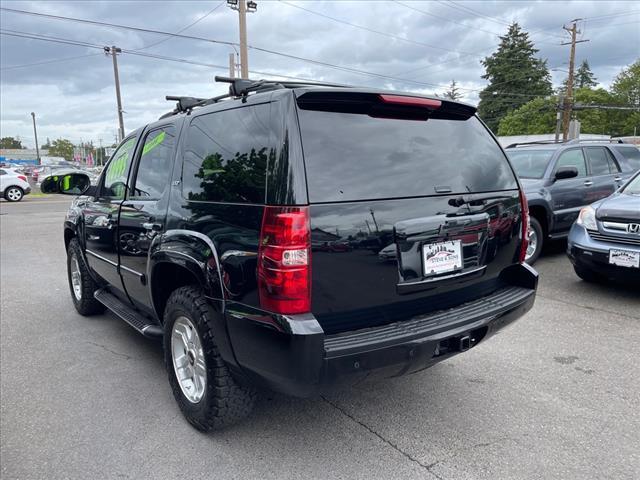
{"points": [[297, 358]]}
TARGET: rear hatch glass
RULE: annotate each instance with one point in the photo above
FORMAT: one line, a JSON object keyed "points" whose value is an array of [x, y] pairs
{"points": [[352, 156]]}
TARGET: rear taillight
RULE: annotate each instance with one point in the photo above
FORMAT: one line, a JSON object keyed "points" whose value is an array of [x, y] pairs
{"points": [[525, 226], [284, 260], [22, 177]]}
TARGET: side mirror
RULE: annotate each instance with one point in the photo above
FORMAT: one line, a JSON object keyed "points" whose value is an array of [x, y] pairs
{"points": [[566, 172], [69, 184]]}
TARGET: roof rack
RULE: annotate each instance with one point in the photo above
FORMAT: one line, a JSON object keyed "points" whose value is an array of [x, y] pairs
{"points": [[239, 88], [537, 142], [587, 140]]}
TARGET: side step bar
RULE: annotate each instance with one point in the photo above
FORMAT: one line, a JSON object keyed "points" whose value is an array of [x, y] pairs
{"points": [[128, 314]]}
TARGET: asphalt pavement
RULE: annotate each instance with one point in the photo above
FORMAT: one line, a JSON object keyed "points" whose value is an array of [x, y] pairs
{"points": [[556, 395]]}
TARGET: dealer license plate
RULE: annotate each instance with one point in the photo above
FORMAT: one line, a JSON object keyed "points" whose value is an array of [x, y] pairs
{"points": [[442, 257], [624, 258]]}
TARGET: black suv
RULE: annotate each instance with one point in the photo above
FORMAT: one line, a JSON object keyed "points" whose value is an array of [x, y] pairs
{"points": [[240, 230], [561, 178]]}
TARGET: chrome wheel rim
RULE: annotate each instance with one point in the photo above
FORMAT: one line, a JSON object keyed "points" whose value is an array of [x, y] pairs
{"points": [[76, 279], [533, 244], [188, 359], [14, 194]]}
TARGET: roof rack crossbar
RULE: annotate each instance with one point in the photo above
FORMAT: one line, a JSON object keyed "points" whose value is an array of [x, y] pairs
{"points": [[239, 87], [535, 142]]}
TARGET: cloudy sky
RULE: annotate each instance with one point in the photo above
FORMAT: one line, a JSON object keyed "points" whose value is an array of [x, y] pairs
{"points": [[407, 45]]}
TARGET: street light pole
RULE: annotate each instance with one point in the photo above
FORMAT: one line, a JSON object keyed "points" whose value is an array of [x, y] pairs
{"points": [[35, 134]]}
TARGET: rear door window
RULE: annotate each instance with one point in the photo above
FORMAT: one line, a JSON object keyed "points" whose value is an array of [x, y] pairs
{"points": [[154, 166], [600, 161], [350, 156], [573, 158]]}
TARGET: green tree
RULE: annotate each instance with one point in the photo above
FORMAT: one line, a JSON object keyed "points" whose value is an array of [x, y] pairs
{"points": [[534, 117], [10, 142], [515, 76], [61, 148], [585, 77], [626, 91], [454, 92]]}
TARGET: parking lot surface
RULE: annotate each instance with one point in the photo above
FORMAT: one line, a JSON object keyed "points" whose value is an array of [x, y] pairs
{"points": [[554, 396]]}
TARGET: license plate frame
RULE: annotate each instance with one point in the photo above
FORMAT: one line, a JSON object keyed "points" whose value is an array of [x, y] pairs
{"points": [[442, 257], [624, 258]]}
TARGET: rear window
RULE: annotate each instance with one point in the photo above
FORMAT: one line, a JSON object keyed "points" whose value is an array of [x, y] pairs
{"points": [[530, 163], [358, 157], [632, 154]]}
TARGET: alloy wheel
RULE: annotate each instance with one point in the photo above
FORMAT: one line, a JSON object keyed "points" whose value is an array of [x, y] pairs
{"points": [[188, 359]]}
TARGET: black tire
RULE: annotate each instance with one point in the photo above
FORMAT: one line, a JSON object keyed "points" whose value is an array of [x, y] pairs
{"points": [[13, 193], [224, 401], [536, 229], [587, 275], [86, 304]]}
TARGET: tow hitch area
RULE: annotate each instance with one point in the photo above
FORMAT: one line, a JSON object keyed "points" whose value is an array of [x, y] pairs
{"points": [[464, 343]]}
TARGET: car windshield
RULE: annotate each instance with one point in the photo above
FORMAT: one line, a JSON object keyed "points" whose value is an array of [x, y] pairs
{"points": [[530, 163], [633, 187]]}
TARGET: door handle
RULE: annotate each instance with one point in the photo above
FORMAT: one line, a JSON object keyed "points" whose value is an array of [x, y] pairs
{"points": [[617, 179], [588, 183], [154, 227]]}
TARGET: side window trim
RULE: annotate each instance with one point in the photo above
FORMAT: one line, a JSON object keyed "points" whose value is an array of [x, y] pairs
{"points": [[135, 162], [613, 160]]}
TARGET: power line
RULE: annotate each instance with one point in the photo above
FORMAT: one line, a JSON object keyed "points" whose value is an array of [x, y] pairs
{"points": [[389, 35], [55, 60], [185, 28], [467, 10], [260, 49]]}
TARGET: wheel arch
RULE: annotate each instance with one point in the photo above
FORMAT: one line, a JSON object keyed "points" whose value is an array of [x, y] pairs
{"points": [[541, 213], [179, 258]]}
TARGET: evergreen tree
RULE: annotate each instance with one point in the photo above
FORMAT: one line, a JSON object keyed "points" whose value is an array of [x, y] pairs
{"points": [[10, 142], [584, 76], [515, 76], [454, 92]]}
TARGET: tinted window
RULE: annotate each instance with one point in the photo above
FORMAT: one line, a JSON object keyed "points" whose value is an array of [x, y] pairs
{"points": [[225, 156], [115, 176], [573, 158], [600, 162], [632, 154], [154, 167], [530, 163], [353, 157]]}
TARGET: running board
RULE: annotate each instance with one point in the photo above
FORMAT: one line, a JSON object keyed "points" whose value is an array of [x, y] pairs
{"points": [[128, 314]]}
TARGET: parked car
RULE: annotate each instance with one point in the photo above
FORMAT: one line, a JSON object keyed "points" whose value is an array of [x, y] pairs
{"points": [[560, 179], [13, 185], [199, 232], [604, 242]]}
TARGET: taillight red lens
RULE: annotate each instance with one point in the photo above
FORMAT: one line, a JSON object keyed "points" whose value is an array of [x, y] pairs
{"points": [[22, 177], [525, 226], [284, 260]]}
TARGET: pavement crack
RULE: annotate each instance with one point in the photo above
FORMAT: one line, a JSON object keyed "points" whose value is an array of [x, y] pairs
{"points": [[386, 441], [104, 347]]}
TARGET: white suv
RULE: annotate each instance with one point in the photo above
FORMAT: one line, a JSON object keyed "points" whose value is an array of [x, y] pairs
{"points": [[13, 185]]}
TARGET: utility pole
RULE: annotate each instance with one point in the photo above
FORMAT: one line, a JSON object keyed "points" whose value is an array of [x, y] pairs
{"points": [[114, 51], [232, 65], [559, 117], [568, 100], [243, 6], [35, 134]]}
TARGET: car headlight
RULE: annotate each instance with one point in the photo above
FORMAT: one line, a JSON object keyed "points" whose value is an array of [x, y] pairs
{"points": [[587, 218]]}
